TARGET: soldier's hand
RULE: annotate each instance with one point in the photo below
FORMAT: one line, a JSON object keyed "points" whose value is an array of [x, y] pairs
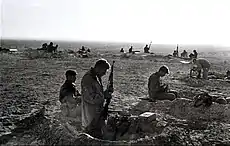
{"points": [[107, 94]]}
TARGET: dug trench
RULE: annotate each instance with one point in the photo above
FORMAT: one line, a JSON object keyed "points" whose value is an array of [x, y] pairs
{"points": [[170, 123]]}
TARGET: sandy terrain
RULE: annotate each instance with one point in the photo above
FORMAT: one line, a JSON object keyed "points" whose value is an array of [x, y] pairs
{"points": [[26, 83]]}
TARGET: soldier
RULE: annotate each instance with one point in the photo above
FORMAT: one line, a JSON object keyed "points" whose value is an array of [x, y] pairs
{"points": [[195, 53], [83, 48], [131, 49], [156, 90], [50, 47], [191, 56], [146, 49], [44, 46], [93, 97], [199, 65], [174, 53], [184, 54], [67, 95], [88, 50], [122, 50]]}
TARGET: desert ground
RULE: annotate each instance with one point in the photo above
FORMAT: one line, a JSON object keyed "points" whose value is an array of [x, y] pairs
{"points": [[29, 80]]}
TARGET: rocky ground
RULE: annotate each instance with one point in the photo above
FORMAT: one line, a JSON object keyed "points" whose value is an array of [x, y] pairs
{"points": [[29, 85]]}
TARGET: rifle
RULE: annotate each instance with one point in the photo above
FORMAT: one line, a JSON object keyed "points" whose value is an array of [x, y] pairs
{"points": [[150, 45], [109, 91], [104, 114]]}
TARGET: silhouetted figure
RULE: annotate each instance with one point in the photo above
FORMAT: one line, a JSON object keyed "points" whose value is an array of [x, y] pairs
{"points": [[195, 53], [184, 54], [88, 50], [50, 47], [122, 50], [175, 53], [83, 48], [55, 48], [146, 49], [131, 49], [44, 46], [191, 56]]}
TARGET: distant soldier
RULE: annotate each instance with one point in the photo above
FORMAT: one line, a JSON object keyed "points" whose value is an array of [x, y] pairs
{"points": [[146, 49], [131, 49], [93, 97], [68, 95], [55, 48], [50, 47], [83, 48], [199, 65], [88, 50], [191, 56], [184, 54], [122, 50], [156, 90], [195, 53], [174, 53], [44, 46]]}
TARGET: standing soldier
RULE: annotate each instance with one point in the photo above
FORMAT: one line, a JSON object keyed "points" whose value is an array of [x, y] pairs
{"points": [[199, 65], [156, 90], [93, 97], [131, 49]]}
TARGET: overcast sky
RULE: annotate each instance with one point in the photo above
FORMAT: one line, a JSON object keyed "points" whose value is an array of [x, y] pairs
{"points": [[160, 21]]}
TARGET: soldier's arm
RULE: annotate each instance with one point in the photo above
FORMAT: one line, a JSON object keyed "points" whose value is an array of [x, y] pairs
{"points": [[153, 88], [89, 94]]}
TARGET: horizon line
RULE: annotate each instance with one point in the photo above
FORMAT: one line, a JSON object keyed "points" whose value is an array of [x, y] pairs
{"points": [[100, 41]]}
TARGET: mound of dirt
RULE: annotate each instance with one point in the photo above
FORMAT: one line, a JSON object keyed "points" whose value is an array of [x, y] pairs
{"points": [[173, 132]]}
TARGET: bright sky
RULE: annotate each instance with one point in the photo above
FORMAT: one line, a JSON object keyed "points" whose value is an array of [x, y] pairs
{"points": [[160, 21]]}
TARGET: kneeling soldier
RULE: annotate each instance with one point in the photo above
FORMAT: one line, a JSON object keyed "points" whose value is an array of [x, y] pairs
{"points": [[67, 96], [156, 90]]}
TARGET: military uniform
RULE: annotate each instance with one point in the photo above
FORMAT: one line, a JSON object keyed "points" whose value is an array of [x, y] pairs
{"points": [[201, 64], [158, 91], [92, 103], [69, 104]]}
